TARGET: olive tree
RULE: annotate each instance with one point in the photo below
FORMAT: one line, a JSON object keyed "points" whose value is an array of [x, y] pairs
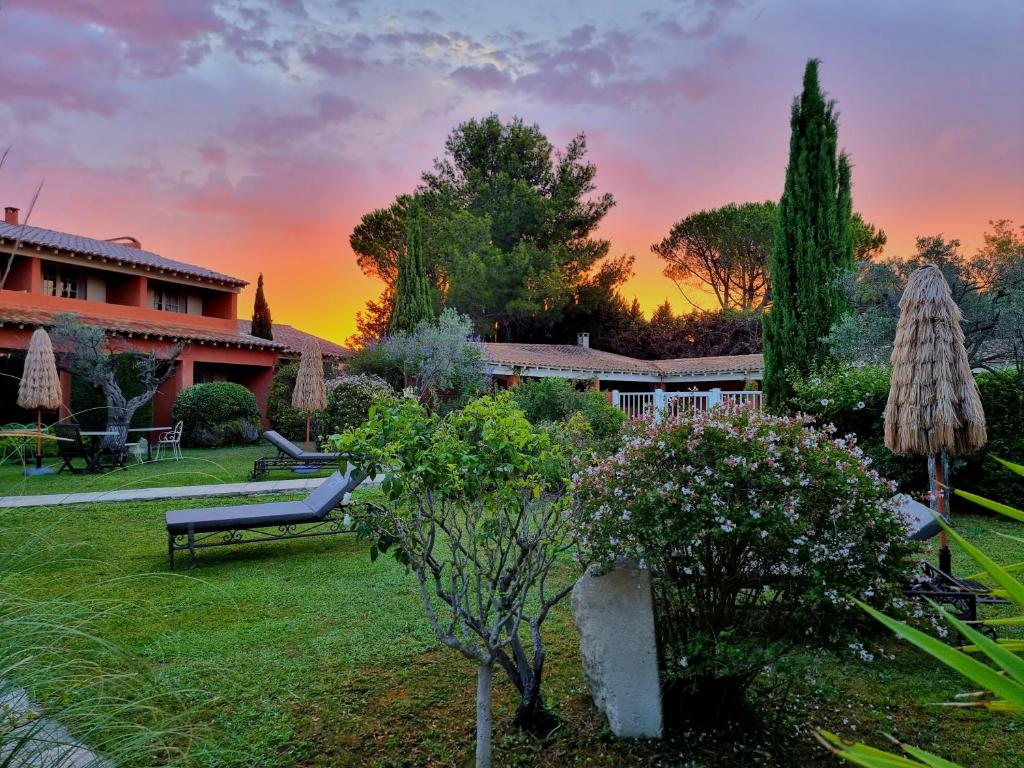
{"points": [[89, 353], [474, 507]]}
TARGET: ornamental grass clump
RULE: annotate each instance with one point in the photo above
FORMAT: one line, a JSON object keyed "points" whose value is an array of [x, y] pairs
{"points": [[758, 531]]}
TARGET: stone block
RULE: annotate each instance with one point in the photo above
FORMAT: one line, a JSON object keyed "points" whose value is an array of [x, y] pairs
{"points": [[615, 616]]}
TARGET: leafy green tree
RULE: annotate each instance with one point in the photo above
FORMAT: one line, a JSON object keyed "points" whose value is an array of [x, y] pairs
{"points": [[868, 241], [508, 227], [414, 302], [813, 244], [989, 289], [724, 250], [262, 325], [473, 506]]}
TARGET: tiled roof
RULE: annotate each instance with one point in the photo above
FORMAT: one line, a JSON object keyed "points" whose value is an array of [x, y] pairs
{"points": [[293, 339], [569, 357], [699, 365], [124, 254], [29, 317]]}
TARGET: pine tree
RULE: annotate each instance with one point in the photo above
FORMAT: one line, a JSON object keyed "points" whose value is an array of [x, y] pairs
{"points": [[413, 300], [813, 243], [262, 325]]}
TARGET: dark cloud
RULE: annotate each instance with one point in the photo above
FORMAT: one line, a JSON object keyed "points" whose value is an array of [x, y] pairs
{"points": [[268, 130], [158, 38]]}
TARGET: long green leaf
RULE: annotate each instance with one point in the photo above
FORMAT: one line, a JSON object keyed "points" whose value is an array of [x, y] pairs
{"points": [[870, 757], [972, 669], [995, 506], [928, 758], [1015, 568], [1006, 661], [1009, 621], [862, 754], [1019, 469], [1014, 589]]}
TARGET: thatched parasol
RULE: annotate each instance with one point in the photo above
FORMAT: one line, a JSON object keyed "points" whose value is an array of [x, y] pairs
{"points": [[310, 392], [934, 409], [40, 384]]}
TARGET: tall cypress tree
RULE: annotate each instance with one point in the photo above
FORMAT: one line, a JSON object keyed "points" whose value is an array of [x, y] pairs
{"points": [[413, 300], [262, 326], [813, 243]]}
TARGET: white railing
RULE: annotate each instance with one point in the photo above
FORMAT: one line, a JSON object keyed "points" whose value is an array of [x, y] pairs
{"points": [[659, 402]]}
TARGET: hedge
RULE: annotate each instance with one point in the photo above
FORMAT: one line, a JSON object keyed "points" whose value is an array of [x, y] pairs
{"points": [[853, 397], [217, 413]]}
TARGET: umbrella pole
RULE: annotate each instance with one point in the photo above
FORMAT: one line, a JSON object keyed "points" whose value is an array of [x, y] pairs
{"points": [[308, 414], [945, 556], [39, 438]]}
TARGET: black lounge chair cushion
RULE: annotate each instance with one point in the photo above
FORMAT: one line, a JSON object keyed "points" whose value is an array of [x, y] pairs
{"points": [[239, 516], [289, 448], [314, 507]]}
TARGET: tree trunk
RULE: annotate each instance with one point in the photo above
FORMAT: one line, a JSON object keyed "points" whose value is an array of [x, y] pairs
{"points": [[483, 715]]}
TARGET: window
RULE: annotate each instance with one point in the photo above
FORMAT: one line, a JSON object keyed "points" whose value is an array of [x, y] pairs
{"points": [[61, 281], [168, 300]]}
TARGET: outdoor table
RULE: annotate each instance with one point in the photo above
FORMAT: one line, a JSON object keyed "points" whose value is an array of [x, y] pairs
{"points": [[94, 438], [149, 443]]}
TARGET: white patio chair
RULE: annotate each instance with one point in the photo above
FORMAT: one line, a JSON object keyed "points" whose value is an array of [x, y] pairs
{"points": [[171, 440]]}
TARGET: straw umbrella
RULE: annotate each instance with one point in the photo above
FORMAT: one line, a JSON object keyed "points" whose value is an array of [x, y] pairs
{"points": [[934, 409], [40, 384], [310, 392]]}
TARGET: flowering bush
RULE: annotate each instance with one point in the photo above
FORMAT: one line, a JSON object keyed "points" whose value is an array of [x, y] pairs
{"points": [[757, 530]]}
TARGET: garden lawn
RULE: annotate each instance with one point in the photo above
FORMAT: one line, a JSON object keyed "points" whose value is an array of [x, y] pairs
{"points": [[200, 466], [305, 653]]}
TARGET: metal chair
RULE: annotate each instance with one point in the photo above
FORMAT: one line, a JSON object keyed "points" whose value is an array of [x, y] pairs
{"points": [[171, 440], [71, 447]]}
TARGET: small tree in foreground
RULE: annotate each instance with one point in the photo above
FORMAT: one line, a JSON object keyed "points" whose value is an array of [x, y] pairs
{"points": [[474, 508]]}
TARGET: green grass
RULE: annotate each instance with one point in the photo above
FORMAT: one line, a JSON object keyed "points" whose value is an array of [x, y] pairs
{"points": [[200, 466], [303, 653]]}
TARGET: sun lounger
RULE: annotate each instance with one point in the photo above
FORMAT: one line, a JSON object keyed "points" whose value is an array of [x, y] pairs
{"points": [[192, 529], [289, 456], [961, 596]]}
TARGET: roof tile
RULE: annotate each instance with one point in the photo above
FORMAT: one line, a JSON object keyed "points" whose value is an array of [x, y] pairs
{"points": [[126, 254]]}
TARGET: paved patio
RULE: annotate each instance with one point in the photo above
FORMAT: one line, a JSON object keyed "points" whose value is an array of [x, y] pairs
{"points": [[173, 492]]}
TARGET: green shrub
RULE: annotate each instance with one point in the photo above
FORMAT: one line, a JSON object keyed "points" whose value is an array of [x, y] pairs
{"points": [[757, 531], [89, 407], [555, 400], [1002, 397], [282, 417], [217, 413], [349, 399], [852, 397]]}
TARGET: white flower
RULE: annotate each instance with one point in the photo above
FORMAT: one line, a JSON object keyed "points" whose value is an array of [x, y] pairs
{"points": [[684, 662], [860, 405], [824, 401]]}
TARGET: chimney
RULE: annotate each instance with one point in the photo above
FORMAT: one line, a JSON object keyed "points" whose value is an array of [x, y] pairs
{"points": [[583, 340], [11, 214]]}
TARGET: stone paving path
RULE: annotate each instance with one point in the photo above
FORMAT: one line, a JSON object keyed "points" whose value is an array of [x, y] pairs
{"points": [[39, 742], [175, 492]]}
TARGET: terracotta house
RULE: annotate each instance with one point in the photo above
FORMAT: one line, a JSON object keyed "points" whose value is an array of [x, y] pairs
{"points": [[145, 301]]}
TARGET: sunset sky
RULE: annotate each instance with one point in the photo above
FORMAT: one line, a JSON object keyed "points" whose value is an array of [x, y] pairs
{"points": [[250, 136]]}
